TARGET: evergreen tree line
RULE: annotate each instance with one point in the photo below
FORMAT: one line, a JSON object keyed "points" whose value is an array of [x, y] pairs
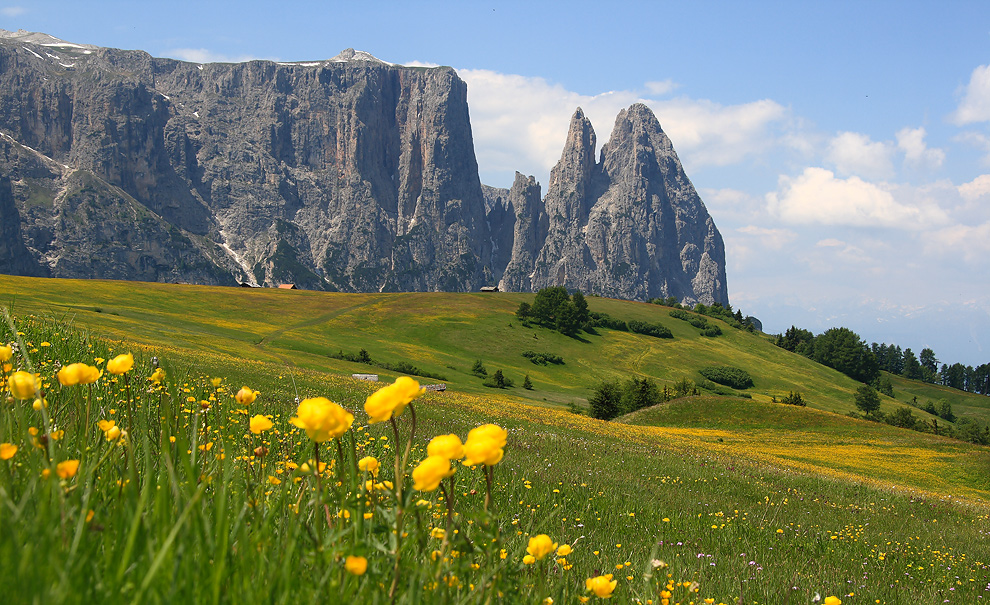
{"points": [[838, 348], [717, 310], [555, 309], [612, 398], [842, 349], [868, 401], [926, 367], [568, 314]]}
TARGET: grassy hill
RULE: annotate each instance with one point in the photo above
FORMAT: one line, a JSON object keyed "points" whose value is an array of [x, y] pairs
{"points": [[443, 334], [746, 497]]}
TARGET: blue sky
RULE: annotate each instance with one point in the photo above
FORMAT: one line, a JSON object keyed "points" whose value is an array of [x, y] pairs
{"points": [[843, 148]]}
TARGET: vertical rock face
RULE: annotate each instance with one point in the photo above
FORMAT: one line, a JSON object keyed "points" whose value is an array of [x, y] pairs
{"points": [[529, 234], [348, 174], [630, 225]]}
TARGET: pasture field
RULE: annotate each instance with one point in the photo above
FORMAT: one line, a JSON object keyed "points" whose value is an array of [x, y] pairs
{"points": [[443, 334], [705, 499]]}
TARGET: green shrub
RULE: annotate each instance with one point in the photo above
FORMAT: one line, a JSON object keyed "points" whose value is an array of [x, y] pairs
{"points": [[727, 375], [498, 380], [543, 359], [401, 367], [604, 320], [794, 398], [707, 328], [478, 369], [655, 330]]}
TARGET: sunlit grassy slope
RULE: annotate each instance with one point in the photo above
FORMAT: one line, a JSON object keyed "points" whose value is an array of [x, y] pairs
{"points": [[442, 334], [821, 502]]}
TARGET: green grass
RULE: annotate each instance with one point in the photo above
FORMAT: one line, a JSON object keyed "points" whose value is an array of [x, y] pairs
{"points": [[744, 496], [728, 492], [444, 334]]}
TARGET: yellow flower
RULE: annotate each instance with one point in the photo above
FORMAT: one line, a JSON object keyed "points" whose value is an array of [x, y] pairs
{"points": [[322, 419], [369, 464], [564, 550], [39, 403], [430, 472], [67, 469], [157, 376], [448, 446], [246, 396], [113, 433], [832, 601], [7, 451], [22, 385], [216, 382], [6, 352], [78, 373], [390, 400], [356, 565], [529, 559], [121, 364], [541, 546], [485, 445], [602, 586], [438, 532], [260, 423]]}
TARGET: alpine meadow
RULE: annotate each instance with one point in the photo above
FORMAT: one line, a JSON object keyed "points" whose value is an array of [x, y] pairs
{"points": [[277, 330], [236, 460]]}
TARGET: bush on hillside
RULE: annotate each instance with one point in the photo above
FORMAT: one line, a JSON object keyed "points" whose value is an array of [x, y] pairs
{"points": [[498, 380], [478, 369], [401, 367], [543, 359], [793, 398], [902, 417], [654, 330], [727, 375], [604, 320]]}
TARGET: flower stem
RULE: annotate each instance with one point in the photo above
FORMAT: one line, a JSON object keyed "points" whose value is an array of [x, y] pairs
{"points": [[489, 472]]}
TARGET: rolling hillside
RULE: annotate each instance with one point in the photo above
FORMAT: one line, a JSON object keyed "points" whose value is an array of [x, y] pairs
{"points": [[443, 334], [820, 502]]}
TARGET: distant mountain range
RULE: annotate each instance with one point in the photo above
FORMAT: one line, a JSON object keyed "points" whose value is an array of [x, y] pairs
{"points": [[349, 174]]}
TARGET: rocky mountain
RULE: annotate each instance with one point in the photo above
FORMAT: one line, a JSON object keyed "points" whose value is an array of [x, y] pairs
{"points": [[630, 225], [348, 174]]}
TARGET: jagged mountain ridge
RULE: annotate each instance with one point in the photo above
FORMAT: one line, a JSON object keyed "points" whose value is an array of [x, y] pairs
{"points": [[348, 174]]}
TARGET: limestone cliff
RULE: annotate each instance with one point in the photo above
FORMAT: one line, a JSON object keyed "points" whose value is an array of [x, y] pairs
{"points": [[347, 174], [628, 226]]}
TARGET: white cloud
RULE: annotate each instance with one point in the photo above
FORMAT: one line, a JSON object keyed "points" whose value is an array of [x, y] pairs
{"points": [[975, 189], [975, 139], [853, 153], [917, 153], [661, 88], [12, 11], [204, 55], [817, 196], [774, 239], [714, 134], [733, 206], [420, 64], [520, 123], [975, 103], [972, 243]]}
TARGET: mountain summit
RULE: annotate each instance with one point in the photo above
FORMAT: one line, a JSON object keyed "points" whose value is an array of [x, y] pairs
{"points": [[348, 174]]}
